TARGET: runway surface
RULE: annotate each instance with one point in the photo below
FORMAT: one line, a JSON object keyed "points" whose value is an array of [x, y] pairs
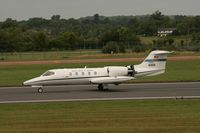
{"points": [[89, 92]]}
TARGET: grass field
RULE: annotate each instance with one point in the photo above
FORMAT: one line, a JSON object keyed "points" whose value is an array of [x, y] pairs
{"points": [[134, 116], [79, 54], [69, 55], [176, 71], [57, 55]]}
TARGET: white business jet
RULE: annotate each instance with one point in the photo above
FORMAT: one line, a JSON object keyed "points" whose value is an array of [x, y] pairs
{"points": [[153, 65]]}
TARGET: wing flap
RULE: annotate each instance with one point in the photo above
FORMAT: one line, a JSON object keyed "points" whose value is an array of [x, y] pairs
{"points": [[110, 80]]}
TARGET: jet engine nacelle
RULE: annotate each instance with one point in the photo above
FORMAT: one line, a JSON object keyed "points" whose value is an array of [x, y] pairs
{"points": [[117, 71]]}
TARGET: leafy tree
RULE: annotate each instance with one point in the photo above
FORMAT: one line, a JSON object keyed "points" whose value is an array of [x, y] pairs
{"points": [[9, 23], [157, 15], [56, 44], [111, 47], [40, 41], [139, 48], [72, 40], [95, 32], [185, 26], [55, 17], [96, 18], [171, 41], [11, 39], [40, 23], [69, 40]]}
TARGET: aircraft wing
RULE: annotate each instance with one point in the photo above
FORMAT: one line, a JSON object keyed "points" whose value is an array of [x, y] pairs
{"points": [[110, 80]]}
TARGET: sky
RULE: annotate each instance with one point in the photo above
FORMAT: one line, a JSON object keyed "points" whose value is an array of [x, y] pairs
{"points": [[25, 9]]}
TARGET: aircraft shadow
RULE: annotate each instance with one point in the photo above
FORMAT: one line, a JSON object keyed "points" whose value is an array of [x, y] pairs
{"points": [[109, 90]]}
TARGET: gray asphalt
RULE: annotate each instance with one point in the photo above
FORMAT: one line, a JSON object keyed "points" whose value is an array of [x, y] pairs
{"points": [[89, 92]]}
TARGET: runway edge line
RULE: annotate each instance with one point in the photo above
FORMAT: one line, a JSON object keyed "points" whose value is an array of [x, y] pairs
{"points": [[102, 99]]}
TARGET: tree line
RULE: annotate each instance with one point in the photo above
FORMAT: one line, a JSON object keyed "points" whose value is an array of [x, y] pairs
{"points": [[117, 33]]}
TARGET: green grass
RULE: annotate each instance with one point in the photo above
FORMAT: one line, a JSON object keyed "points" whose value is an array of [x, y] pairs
{"points": [[66, 55], [134, 116], [57, 55], [79, 54], [176, 71]]}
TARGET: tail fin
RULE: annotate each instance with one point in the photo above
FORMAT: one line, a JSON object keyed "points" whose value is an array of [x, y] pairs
{"points": [[154, 64]]}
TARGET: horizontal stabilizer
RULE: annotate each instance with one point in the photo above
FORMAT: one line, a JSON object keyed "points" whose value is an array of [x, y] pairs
{"points": [[110, 80]]}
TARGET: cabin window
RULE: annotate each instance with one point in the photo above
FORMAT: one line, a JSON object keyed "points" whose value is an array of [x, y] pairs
{"points": [[70, 74], [83, 73], [89, 73], [76, 73], [48, 73], [95, 73]]}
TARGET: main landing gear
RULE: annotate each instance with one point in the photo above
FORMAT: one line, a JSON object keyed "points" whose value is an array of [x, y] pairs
{"points": [[102, 87]]}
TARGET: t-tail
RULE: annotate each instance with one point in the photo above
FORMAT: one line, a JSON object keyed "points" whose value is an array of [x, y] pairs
{"points": [[154, 64]]}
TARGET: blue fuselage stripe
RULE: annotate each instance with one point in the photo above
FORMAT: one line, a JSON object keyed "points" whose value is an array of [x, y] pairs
{"points": [[153, 60]]}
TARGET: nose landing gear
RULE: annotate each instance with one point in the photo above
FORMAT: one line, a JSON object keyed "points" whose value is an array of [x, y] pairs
{"points": [[40, 90]]}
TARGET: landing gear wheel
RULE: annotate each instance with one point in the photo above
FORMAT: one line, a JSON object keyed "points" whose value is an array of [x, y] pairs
{"points": [[100, 87], [40, 90]]}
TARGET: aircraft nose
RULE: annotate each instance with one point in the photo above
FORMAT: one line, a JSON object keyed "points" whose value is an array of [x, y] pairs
{"points": [[26, 83], [30, 82]]}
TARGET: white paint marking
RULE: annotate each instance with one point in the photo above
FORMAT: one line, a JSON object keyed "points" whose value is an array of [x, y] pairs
{"points": [[102, 99]]}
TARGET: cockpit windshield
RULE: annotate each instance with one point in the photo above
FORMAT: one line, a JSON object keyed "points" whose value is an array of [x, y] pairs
{"points": [[48, 73]]}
